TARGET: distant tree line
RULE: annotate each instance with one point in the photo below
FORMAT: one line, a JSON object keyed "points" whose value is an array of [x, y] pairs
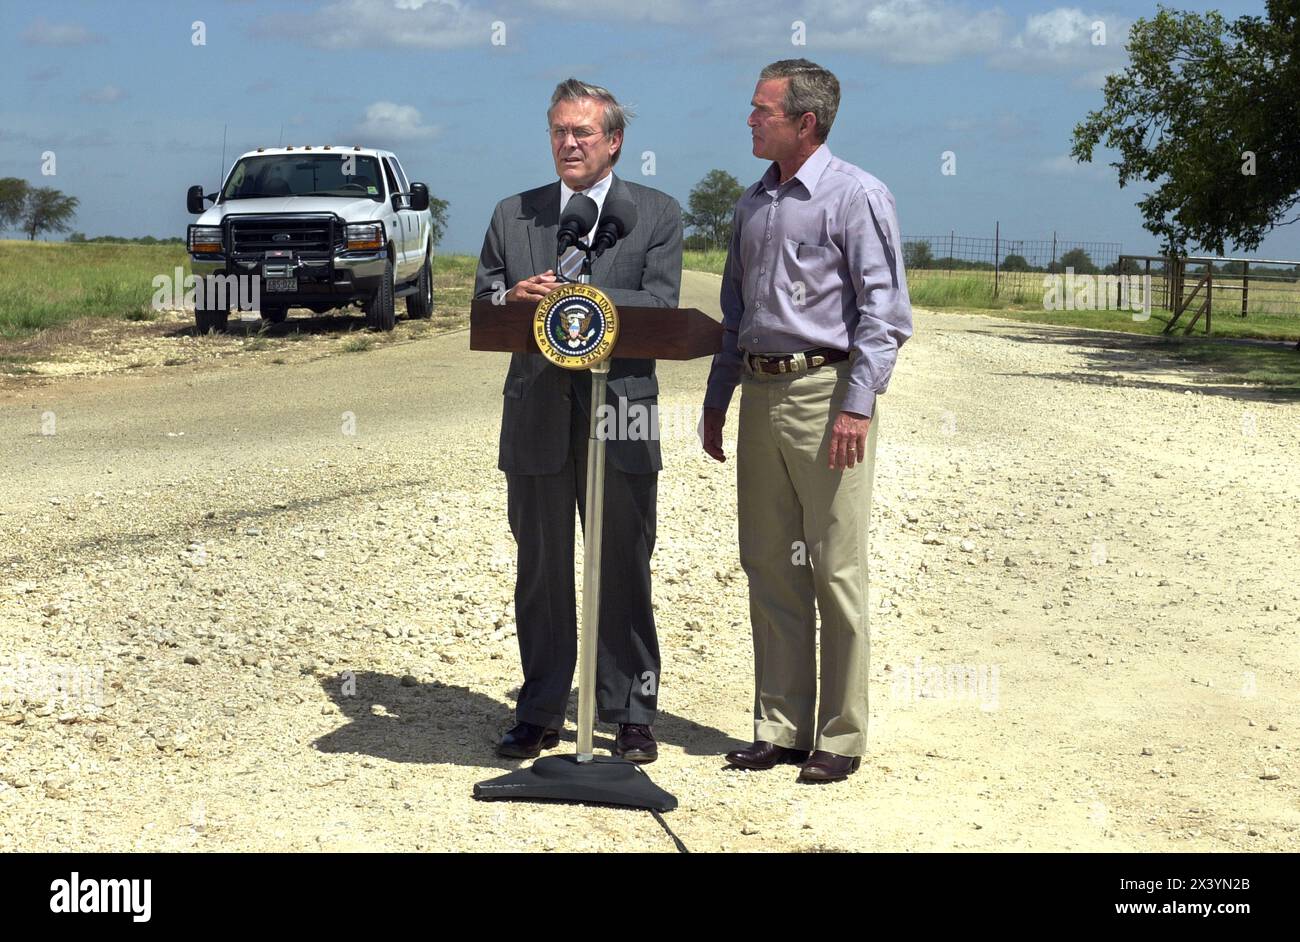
{"points": [[123, 240], [917, 255]]}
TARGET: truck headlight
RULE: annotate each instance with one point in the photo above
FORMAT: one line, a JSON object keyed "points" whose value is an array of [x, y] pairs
{"points": [[368, 235], [205, 238]]}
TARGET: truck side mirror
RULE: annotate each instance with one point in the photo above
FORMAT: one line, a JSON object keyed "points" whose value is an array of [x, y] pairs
{"points": [[419, 197], [194, 199]]}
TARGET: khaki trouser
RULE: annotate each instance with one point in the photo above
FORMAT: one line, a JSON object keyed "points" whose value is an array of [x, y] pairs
{"points": [[803, 545]]}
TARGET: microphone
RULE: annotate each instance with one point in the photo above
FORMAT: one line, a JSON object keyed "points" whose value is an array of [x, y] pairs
{"points": [[579, 216], [616, 221]]}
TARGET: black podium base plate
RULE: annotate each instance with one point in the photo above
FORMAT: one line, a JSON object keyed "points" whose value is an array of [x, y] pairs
{"points": [[604, 780]]}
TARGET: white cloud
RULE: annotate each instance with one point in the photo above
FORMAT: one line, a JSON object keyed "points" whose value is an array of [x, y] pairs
{"points": [[387, 121], [44, 33], [914, 32], [1067, 39], [347, 24], [901, 31], [104, 95]]}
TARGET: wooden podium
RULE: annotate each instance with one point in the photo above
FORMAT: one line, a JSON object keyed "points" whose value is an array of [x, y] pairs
{"points": [[660, 333], [643, 332]]}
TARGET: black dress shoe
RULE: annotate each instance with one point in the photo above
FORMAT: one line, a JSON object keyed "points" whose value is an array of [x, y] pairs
{"points": [[828, 767], [527, 740], [764, 755], [636, 743]]}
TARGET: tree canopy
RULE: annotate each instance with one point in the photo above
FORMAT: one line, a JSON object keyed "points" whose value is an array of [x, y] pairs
{"points": [[1209, 112]]}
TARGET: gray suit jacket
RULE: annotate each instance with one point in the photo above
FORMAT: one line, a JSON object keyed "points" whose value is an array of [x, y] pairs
{"points": [[644, 269]]}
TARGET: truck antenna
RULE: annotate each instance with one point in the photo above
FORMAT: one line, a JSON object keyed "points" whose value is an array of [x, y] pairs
{"points": [[221, 171]]}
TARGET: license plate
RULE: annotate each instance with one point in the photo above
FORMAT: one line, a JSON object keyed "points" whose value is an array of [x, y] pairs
{"points": [[281, 284]]}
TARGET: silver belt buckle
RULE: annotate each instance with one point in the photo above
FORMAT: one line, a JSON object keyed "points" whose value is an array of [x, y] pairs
{"points": [[798, 363]]}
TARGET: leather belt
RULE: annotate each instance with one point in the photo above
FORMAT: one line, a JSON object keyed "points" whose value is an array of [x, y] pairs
{"points": [[802, 362]]}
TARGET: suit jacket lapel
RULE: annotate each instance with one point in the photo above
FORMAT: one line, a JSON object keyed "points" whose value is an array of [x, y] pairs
{"points": [[601, 268], [544, 225]]}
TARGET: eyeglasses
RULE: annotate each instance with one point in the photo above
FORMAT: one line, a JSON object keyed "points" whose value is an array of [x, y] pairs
{"points": [[582, 135]]}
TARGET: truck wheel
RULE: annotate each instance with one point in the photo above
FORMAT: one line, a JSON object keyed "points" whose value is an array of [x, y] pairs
{"points": [[420, 304], [382, 314], [275, 315], [206, 319]]}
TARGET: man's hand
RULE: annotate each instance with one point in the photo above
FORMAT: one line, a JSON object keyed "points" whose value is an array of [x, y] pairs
{"points": [[849, 440], [714, 419], [534, 288]]}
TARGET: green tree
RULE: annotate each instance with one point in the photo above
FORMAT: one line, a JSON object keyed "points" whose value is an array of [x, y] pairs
{"points": [[1200, 94], [1015, 263], [47, 210], [1078, 260], [437, 209], [1129, 266], [711, 205], [917, 255], [13, 197]]}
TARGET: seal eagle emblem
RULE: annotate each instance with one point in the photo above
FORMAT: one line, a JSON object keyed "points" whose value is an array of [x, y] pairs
{"points": [[576, 326]]}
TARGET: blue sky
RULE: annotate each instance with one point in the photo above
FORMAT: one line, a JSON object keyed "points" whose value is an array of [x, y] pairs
{"points": [[134, 111]]}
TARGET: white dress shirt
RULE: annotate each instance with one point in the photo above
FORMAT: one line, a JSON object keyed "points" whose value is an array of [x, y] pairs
{"points": [[596, 191]]}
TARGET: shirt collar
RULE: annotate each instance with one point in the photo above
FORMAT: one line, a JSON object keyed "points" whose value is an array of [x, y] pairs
{"points": [[596, 191], [808, 174]]}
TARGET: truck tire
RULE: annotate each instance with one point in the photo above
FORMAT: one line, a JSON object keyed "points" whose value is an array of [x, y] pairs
{"points": [[420, 304], [275, 314], [382, 313], [208, 319]]}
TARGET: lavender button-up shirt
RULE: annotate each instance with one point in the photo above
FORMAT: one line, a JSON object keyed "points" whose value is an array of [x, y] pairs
{"points": [[815, 262]]}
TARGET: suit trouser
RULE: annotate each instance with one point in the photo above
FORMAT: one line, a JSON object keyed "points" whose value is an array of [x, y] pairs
{"points": [[541, 511], [803, 545]]}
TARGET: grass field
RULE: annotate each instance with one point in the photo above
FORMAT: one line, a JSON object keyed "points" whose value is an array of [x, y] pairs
{"points": [[46, 284]]}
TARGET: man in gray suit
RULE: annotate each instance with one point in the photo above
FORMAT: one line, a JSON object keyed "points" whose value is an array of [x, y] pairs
{"points": [[544, 429]]}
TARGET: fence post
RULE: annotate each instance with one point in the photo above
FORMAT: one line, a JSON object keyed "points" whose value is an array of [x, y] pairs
{"points": [[997, 226], [1245, 286], [1053, 264], [950, 249], [1209, 296]]}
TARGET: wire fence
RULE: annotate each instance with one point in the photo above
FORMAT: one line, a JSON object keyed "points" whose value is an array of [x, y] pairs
{"points": [[1017, 265]]}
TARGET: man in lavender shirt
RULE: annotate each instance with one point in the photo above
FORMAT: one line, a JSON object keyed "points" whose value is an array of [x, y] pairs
{"points": [[815, 309]]}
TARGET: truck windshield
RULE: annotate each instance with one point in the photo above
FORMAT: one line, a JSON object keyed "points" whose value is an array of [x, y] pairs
{"points": [[344, 174]]}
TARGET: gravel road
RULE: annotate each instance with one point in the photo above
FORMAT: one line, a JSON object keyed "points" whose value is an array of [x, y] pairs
{"points": [[250, 605]]}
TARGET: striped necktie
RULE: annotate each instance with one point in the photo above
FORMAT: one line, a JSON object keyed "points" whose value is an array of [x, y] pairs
{"points": [[571, 263]]}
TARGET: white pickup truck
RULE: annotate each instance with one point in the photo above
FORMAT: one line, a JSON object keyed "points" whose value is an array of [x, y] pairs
{"points": [[316, 227]]}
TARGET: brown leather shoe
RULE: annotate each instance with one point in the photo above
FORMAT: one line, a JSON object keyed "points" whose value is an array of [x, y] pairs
{"points": [[527, 740], [636, 743], [765, 755], [828, 767]]}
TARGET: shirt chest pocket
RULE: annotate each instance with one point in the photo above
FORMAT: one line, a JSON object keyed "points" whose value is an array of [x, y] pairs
{"points": [[811, 251], [806, 267]]}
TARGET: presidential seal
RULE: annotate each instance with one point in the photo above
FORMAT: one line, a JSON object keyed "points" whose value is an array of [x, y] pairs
{"points": [[576, 326]]}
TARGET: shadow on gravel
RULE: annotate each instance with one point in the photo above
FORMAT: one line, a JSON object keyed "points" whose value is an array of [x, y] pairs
{"points": [[442, 723], [1211, 367], [294, 326]]}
